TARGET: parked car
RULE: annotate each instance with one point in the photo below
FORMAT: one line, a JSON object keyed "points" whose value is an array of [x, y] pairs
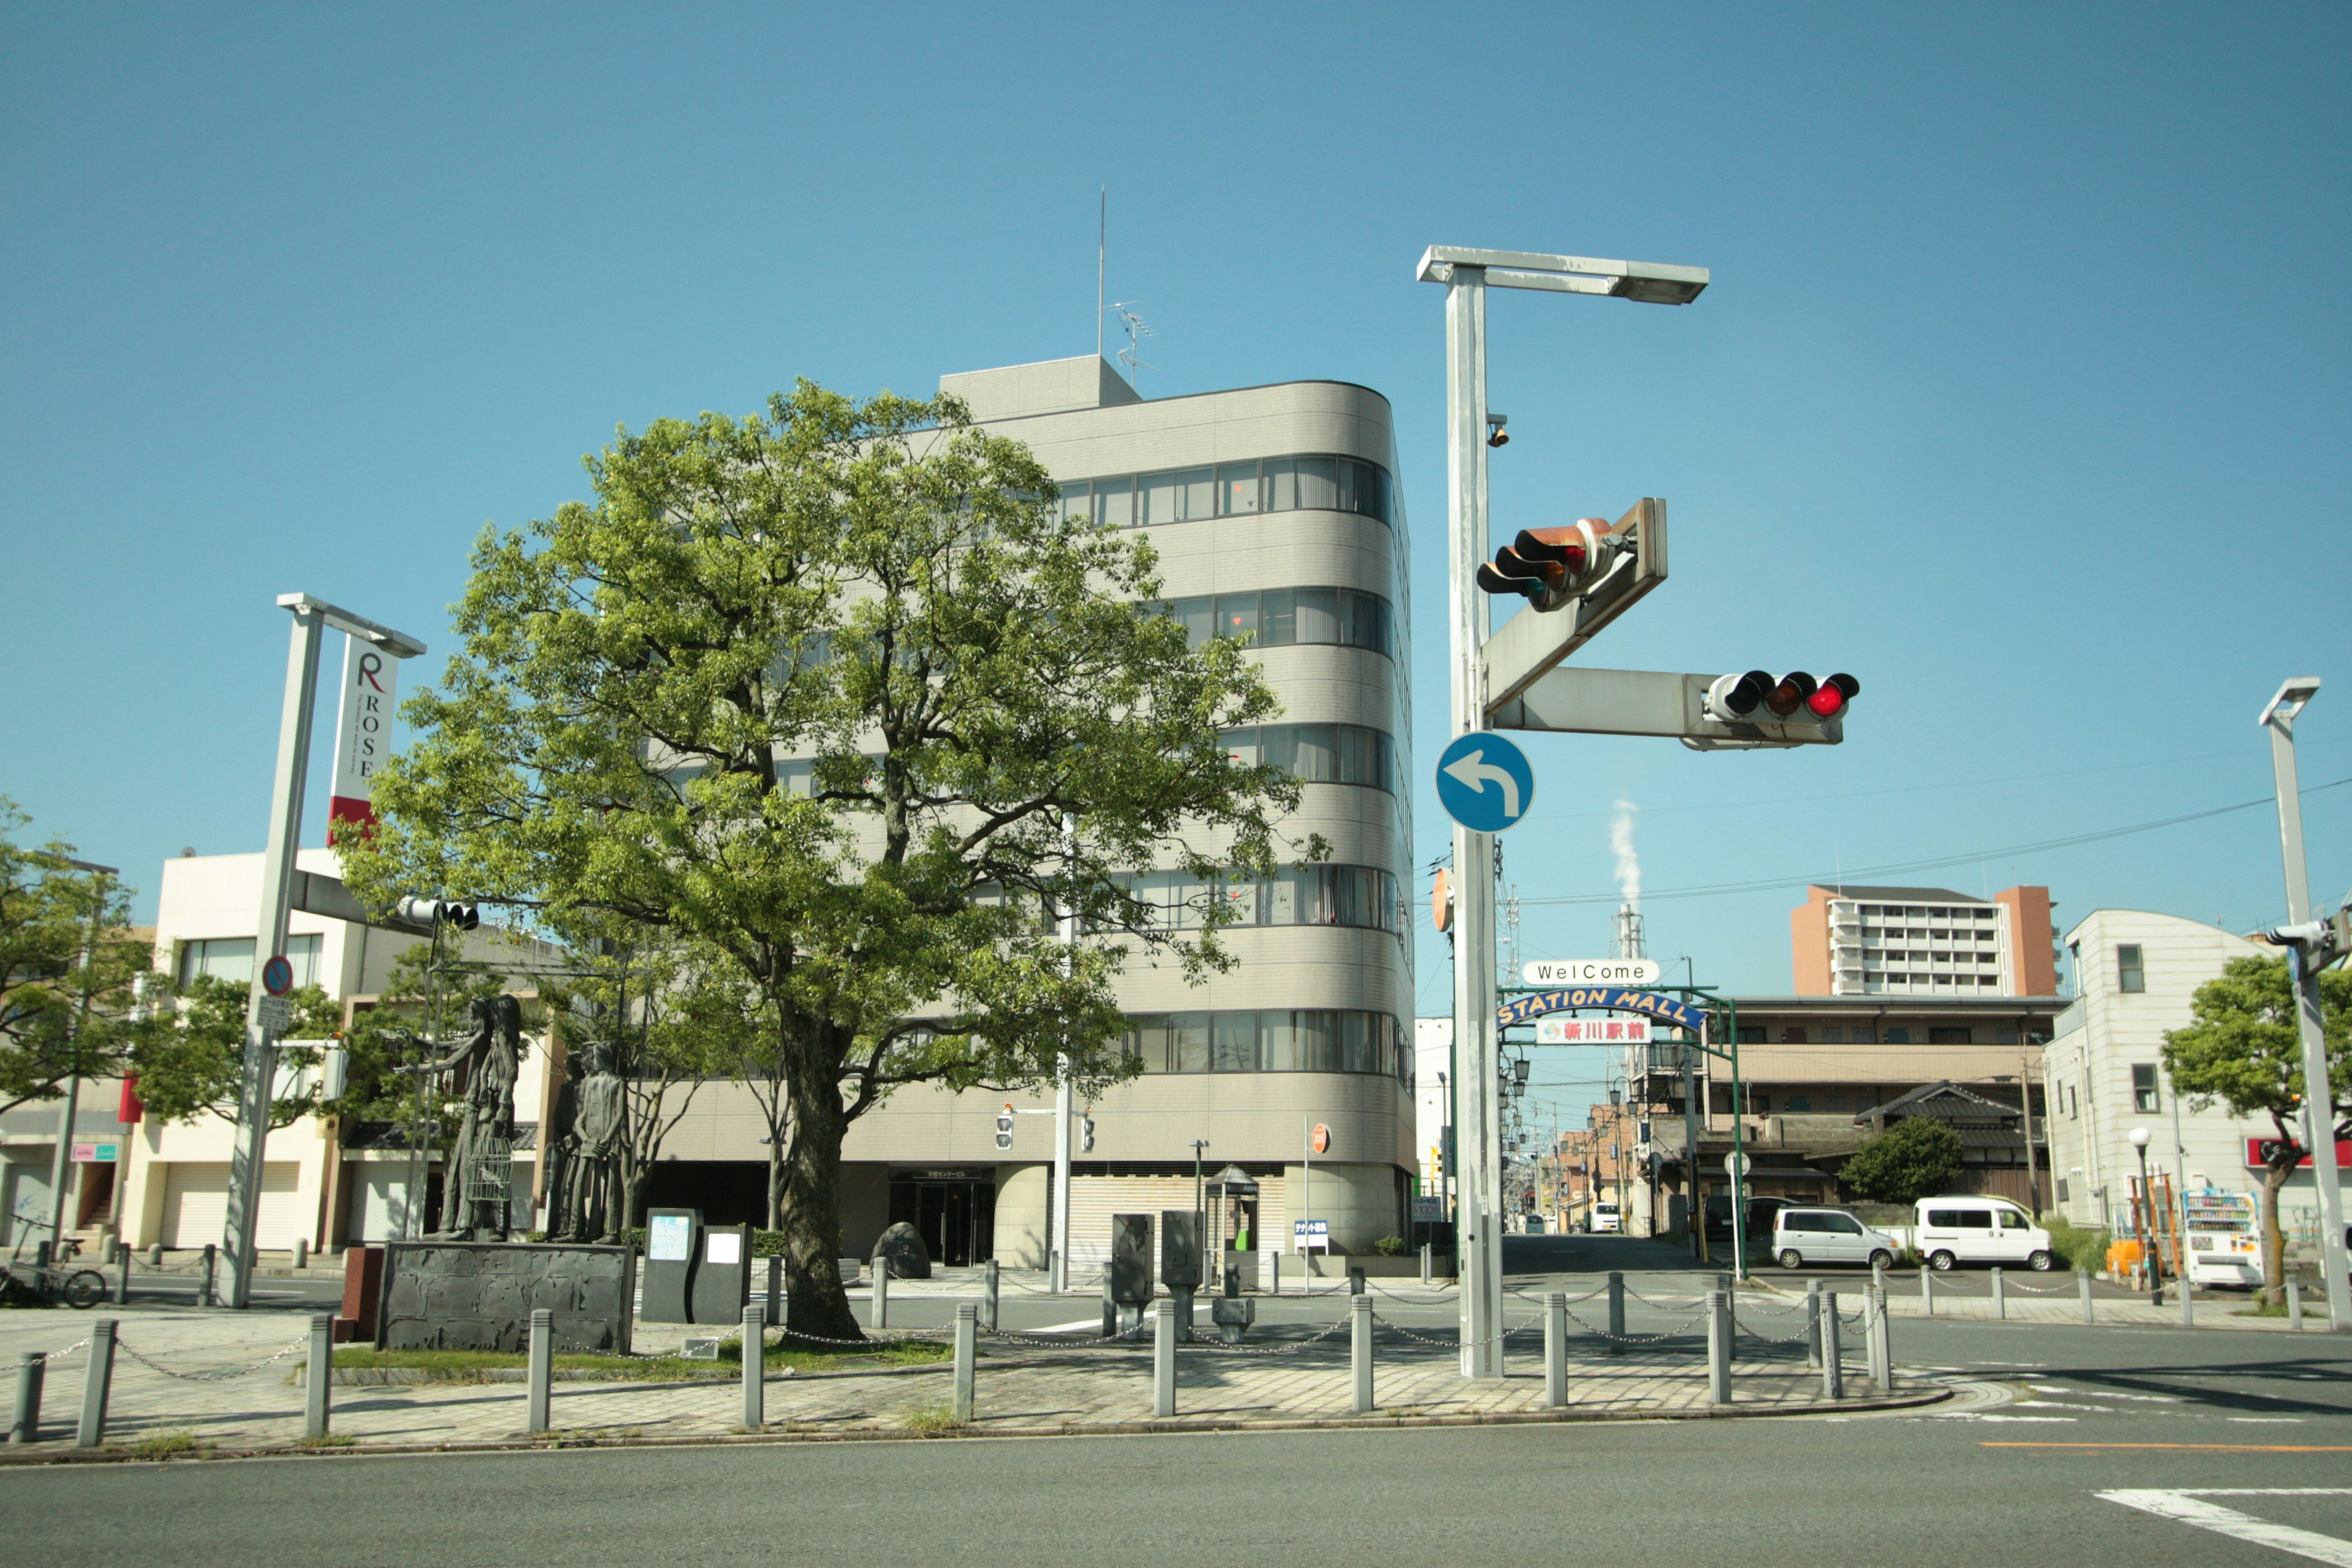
{"points": [[1604, 1220], [1802, 1235], [1958, 1230]]}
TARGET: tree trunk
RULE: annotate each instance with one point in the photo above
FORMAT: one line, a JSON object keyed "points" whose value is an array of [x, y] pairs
{"points": [[2274, 1177], [775, 1181], [811, 1218]]}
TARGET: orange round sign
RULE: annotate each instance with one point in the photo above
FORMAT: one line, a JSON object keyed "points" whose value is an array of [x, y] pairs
{"points": [[1441, 904], [1322, 1139]]}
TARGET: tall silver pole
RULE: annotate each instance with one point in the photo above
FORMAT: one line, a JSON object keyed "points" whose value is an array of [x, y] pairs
{"points": [[269, 939], [2318, 1104], [1473, 853], [1057, 1242]]}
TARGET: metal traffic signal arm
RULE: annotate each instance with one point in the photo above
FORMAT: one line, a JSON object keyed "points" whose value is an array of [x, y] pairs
{"points": [[1700, 711]]}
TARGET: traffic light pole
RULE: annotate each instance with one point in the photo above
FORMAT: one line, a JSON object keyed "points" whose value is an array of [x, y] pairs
{"points": [[2318, 1100], [1477, 1153]]}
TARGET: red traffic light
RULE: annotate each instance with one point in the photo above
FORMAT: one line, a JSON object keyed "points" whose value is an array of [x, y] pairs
{"points": [[1830, 699], [1544, 565]]}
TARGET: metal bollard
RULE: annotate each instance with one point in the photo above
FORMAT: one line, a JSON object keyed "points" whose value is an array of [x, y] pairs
{"points": [[1425, 1275], [106, 1246], [990, 1299], [1359, 1350], [1832, 1352], [205, 1291], [1616, 1314], [2187, 1305], [966, 1352], [318, 1376], [301, 1252], [1275, 1258], [122, 1277], [1813, 1324], [1163, 1358], [2000, 1297], [25, 1423], [1927, 1290], [155, 1255], [2083, 1289], [755, 1367], [542, 1369], [94, 1389], [2295, 1305], [1878, 1277], [881, 1292], [1555, 1349], [1718, 1346], [776, 1289], [1874, 1341]]}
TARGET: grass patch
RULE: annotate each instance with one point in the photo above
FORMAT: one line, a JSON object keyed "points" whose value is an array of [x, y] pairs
{"points": [[2278, 1309], [2084, 1250], [329, 1440], [473, 1366], [167, 1445], [932, 1421]]}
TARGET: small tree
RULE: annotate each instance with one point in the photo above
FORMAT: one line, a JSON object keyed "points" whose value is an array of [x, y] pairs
{"points": [[1914, 1159], [59, 1015], [192, 1066], [2241, 1049]]}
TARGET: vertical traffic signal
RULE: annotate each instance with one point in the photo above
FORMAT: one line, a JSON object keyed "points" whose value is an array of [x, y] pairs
{"points": [[1004, 1126], [1087, 1132]]}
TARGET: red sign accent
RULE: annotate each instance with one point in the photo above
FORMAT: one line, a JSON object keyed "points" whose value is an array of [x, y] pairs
{"points": [[132, 1109], [346, 816], [1322, 1139], [2256, 1148]]}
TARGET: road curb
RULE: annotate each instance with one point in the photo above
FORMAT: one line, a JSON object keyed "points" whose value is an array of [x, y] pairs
{"points": [[1909, 1400]]}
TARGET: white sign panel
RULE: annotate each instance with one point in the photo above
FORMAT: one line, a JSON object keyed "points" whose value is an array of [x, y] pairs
{"points": [[1310, 1235], [1552, 1029], [362, 733], [1590, 972]]}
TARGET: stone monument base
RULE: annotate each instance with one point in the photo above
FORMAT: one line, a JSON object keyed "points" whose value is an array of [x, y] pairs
{"points": [[479, 1295]]}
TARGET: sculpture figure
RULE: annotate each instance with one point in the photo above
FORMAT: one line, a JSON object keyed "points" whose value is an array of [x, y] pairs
{"points": [[559, 1137], [475, 1192], [597, 1203]]}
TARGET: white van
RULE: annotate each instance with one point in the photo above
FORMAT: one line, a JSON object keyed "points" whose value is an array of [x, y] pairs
{"points": [[1803, 1235], [1604, 1220], [1980, 1230]]}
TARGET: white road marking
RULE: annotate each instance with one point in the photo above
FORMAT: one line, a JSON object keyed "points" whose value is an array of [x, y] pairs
{"points": [[2148, 1398], [2055, 1405], [2267, 1420], [2049, 1388], [2187, 1507]]}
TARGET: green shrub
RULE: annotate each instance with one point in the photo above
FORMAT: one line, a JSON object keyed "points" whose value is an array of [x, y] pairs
{"points": [[1390, 1245], [2082, 1250], [1914, 1159]]}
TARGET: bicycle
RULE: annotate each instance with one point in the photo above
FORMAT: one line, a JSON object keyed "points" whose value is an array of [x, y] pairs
{"points": [[80, 1289]]}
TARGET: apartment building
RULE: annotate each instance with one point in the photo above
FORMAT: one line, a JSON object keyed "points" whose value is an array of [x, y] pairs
{"points": [[1922, 941]]}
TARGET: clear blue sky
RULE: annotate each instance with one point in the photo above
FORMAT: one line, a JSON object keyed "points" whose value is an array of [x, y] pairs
{"points": [[2020, 391]]}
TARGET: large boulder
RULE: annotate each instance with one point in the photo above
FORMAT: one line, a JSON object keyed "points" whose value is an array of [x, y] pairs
{"points": [[901, 1246]]}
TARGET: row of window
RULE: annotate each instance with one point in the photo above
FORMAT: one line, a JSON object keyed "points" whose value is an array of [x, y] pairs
{"points": [[2146, 1092], [1896, 1034], [230, 958], [1986, 913], [1233, 490], [1273, 1039], [1364, 897], [1320, 754], [1279, 617]]}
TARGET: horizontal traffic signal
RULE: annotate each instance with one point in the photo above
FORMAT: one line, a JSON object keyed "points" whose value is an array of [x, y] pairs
{"points": [[1548, 566], [1758, 696]]}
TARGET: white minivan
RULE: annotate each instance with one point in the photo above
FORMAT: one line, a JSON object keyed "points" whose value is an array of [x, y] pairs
{"points": [[1804, 1235], [1980, 1230], [1605, 1220]]}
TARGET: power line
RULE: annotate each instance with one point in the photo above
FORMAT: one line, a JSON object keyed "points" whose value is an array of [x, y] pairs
{"points": [[1721, 889]]}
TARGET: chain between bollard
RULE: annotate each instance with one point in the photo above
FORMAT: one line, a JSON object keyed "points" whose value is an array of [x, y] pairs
{"points": [[1697, 1317], [1221, 1348], [213, 1375], [1797, 1338]]}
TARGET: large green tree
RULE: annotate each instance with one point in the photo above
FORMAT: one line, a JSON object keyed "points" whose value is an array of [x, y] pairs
{"points": [[191, 1064], [70, 968], [998, 726], [2241, 1049]]}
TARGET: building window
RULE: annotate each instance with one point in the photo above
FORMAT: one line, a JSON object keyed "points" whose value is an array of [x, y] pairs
{"points": [[1752, 1034], [1897, 1034], [1287, 1039], [1795, 1034], [1320, 754], [1285, 617], [1799, 1104], [2144, 1085], [1233, 490], [230, 958], [1955, 1034], [2130, 975], [1832, 1036], [1360, 896]]}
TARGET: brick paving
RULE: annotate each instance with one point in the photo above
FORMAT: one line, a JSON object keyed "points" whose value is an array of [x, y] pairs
{"points": [[1019, 1389]]}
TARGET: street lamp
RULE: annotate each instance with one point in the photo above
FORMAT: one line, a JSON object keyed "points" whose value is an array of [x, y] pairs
{"points": [[1466, 273], [2310, 949], [2147, 1221]]}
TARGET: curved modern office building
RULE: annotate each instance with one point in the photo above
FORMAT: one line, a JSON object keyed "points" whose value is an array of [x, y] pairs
{"points": [[1275, 512]]}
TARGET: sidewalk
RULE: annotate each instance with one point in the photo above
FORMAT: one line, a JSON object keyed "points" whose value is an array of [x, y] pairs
{"points": [[1021, 1390], [2060, 1304]]}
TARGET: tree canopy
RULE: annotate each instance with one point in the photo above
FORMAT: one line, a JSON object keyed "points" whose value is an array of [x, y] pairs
{"points": [[1914, 1159], [61, 1013], [191, 1064], [841, 708]]}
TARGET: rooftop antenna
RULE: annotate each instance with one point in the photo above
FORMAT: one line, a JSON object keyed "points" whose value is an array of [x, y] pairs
{"points": [[1136, 331]]}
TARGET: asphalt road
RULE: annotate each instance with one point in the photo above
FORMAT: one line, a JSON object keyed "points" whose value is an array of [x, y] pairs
{"points": [[2168, 1417]]}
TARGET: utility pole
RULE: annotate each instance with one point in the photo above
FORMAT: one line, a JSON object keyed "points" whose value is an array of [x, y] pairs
{"points": [[61, 1161], [1058, 1241], [2305, 940]]}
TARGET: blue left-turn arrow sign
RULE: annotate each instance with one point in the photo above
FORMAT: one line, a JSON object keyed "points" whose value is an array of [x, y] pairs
{"points": [[1484, 782]]}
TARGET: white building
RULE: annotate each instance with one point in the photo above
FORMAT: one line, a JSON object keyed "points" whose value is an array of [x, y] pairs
{"points": [[2104, 1074]]}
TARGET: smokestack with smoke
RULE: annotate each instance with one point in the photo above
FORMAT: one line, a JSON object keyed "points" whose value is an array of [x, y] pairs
{"points": [[1629, 863]]}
